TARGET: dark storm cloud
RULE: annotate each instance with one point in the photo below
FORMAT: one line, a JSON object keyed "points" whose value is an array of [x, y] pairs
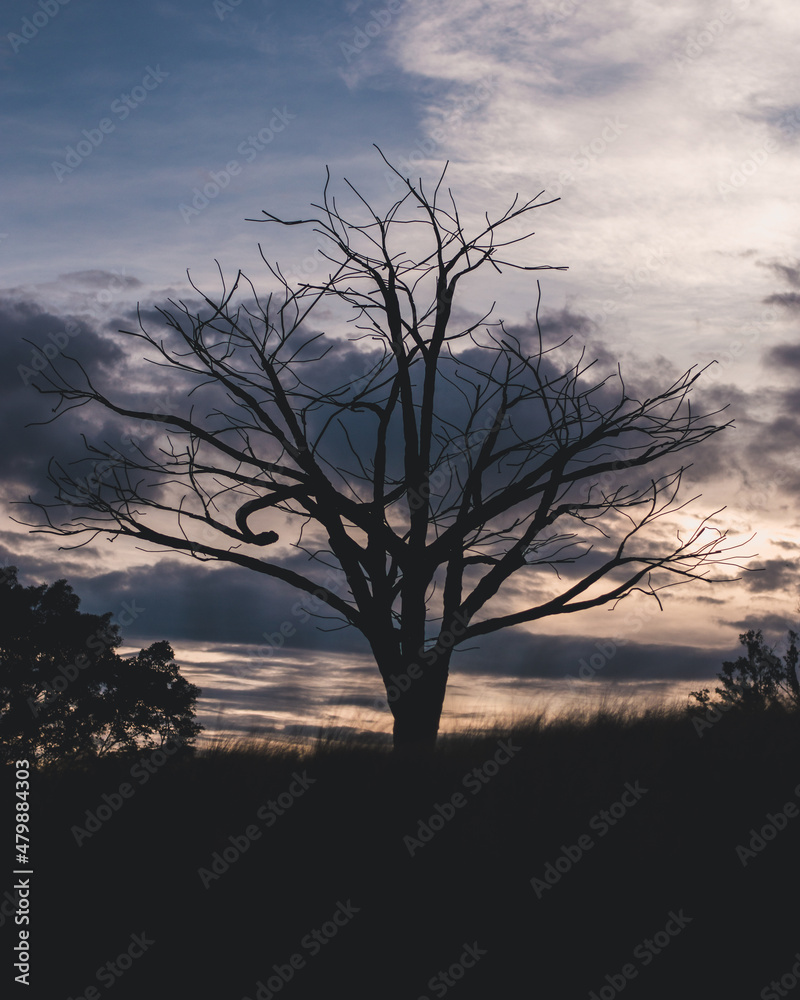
{"points": [[185, 600], [31, 339], [771, 624], [773, 574], [349, 365], [226, 604], [39, 346], [777, 438], [784, 356], [790, 273], [768, 443], [522, 655], [556, 326], [32, 336], [91, 296], [260, 622], [789, 300], [135, 384], [762, 448], [724, 403], [783, 118]]}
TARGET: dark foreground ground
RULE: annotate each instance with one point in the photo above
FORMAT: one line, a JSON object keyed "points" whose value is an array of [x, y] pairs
{"points": [[630, 826]]}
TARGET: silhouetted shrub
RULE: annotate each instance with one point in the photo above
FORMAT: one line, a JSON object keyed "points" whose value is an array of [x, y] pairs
{"points": [[761, 679]]}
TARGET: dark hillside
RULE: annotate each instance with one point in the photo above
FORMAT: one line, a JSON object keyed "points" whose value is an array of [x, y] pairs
{"points": [[630, 825]]}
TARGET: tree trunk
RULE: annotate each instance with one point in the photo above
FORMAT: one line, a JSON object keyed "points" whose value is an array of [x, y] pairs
{"points": [[416, 694]]}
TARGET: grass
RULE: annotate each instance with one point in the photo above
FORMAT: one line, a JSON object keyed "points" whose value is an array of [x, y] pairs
{"points": [[345, 835]]}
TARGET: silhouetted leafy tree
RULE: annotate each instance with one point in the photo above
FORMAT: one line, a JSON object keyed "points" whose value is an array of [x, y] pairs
{"points": [[460, 454], [66, 692], [761, 679]]}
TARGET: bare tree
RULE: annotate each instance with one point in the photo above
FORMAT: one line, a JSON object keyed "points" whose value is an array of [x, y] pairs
{"points": [[462, 457]]}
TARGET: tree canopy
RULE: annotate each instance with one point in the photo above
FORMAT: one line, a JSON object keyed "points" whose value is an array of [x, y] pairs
{"points": [[65, 692]]}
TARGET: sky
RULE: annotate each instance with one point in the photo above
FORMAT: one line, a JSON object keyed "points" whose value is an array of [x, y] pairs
{"points": [[138, 141]]}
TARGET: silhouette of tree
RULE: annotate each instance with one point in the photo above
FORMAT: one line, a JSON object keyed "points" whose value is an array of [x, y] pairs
{"points": [[759, 680], [66, 692], [453, 458]]}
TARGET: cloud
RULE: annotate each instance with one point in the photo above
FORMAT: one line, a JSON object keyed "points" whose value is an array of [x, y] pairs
{"points": [[254, 623], [789, 300], [219, 604], [773, 575], [33, 339], [524, 655], [222, 602], [775, 624], [790, 273], [784, 356]]}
